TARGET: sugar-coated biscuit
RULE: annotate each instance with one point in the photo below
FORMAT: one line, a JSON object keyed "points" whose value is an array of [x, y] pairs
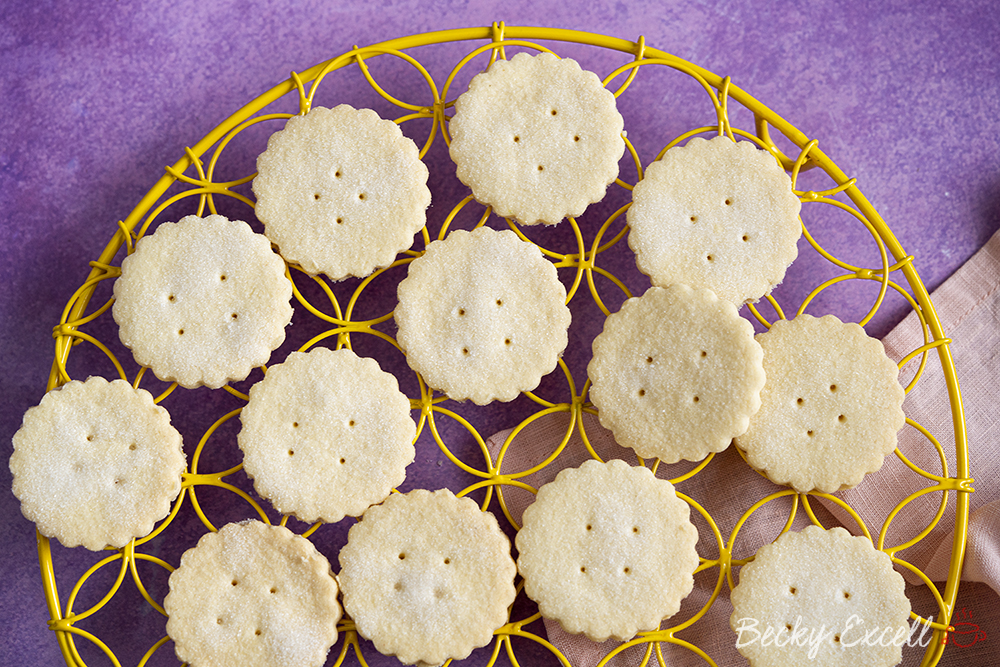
{"points": [[252, 594], [96, 463], [427, 576], [715, 214], [202, 301], [326, 434], [607, 549], [341, 191], [482, 315], [537, 138], [830, 409], [676, 374], [820, 597]]}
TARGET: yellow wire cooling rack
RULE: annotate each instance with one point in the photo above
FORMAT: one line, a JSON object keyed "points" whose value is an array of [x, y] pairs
{"points": [[583, 251]]}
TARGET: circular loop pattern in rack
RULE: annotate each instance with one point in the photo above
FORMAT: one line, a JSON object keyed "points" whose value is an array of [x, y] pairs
{"points": [[500, 453]]}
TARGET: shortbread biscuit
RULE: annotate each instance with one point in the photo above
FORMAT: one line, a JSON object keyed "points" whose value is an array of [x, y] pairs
{"points": [[537, 138], [96, 463], [341, 191], [820, 597], [427, 576], [326, 434], [830, 409], [608, 550], [482, 315], [676, 374], [202, 301], [252, 594], [715, 214]]}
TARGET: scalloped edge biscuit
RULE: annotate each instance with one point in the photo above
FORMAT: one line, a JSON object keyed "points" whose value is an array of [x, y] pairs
{"points": [[716, 214], [96, 463], [427, 576], [819, 591], [676, 374], [482, 315], [253, 594], [341, 191], [537, 138], [326, 434], [830, 409], [202, 301], [608, 550]]}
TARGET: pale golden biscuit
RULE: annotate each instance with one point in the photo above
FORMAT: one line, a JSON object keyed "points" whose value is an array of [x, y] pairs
{"points": [[608, 550], [715, 214], [202, 301], [482, 315], [252, 594], [427, 576], [830, 409], [96, 463], [676, 374], [537, 138], [820, 597], [341, 191], [326, 434]]}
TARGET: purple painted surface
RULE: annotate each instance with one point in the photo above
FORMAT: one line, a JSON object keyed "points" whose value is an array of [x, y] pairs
{"points": [[99, 97]]}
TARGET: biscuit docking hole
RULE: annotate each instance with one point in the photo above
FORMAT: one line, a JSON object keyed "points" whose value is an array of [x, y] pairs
{"points": [[516, 138], [635, 529], [704, 353], [649, 360], [833, 387], [461, 312], [627, 570], [694, 218], [291, 452], [351, 423], [90, 438], [340, 221], [257, 632], [746, 238], [180, 332], [729, 202], [171, 298], [540, 167], [438, 593], [847, 596], [499, 302], [398, 586], [465, 351], [642, 392], [295, 424], [583, 568], [336, 174], [710, 258], [218, 621], [343, 461], [402, 555], [273, 590], [800, 401], [316, 196], [809, 433], [134, 446], [447, 561], [695, 399], [361, 196], [235, 316], [223, 277], [589, 527], [836, 638], [235, 582], [842, 418], [506, 341], [792, 590], [554, 112], [576, 138]]}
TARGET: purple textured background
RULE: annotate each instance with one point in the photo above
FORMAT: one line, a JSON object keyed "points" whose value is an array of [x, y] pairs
{"points": [[99, 97]]}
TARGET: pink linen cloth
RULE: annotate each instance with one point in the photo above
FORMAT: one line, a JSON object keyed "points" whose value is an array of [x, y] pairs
{"points": [[968, 305]]}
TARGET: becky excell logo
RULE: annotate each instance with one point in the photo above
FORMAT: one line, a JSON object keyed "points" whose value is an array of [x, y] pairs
{"points": [[854, 632]]}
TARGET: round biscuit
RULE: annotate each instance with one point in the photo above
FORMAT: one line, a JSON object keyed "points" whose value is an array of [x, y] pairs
{"points": [[608, 550], [252, 594], [715, 214], [202, 301], [341, 191], [830, 409], [820, 597], [96, 463], [326, 434], [482, 315], [537, 138], [427, 576], [676, 374]]}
